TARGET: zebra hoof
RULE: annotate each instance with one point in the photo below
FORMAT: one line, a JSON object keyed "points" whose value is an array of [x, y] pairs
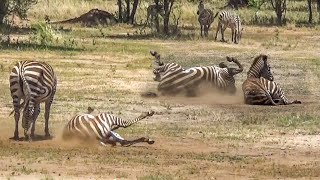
{"points": [[150, 141], [297, 102]]}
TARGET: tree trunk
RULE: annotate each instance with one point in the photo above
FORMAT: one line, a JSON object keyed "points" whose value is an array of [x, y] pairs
{"points": [[167, 9], [280, 7], [318, 9], [310, 11], [134, 10], [128, 11], [3, 10], [120, 11]]}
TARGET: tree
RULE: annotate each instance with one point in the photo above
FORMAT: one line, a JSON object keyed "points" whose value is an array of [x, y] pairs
{"points": [[167, 5], [318, 9], [119, 11], [134, 10], [15, 7], [237, 3], [310, 11], [280, 7]]}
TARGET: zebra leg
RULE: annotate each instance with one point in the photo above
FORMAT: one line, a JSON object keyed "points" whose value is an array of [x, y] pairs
{"points": [[47, 113], [233, 35], [218, 28], [223, 29], [16, 103], [201, 28], [127, 143], [34, 118]]}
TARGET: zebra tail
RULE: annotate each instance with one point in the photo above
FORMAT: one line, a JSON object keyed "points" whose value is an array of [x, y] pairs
{"points": [[215, 15], [20, 107]]}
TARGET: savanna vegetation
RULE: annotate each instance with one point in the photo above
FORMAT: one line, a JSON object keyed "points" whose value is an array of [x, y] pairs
{"points": [[208, 137]]}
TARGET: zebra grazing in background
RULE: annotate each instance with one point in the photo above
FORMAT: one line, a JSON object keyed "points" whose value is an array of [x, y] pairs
{"points": [[205, 18], [229, 20], [34, 82], [152, 11], [101, 127], [173, 81], [259, 87]]}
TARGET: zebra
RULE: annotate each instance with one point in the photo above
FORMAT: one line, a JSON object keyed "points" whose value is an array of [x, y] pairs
{"points": [[162, 70], [205, 18], [152, 12], [260, 89], [173, 81], [101, 127], [34, 82], [229, 20]]}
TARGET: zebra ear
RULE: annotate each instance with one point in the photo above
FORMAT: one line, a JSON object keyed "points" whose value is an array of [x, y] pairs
{"points": [[264, 57]]}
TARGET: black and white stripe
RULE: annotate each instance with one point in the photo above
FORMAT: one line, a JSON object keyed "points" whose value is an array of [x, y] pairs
{"points": [[175, 80], [229, 20], [205, 18], [101, 127], [33, 82], [259, 87]]}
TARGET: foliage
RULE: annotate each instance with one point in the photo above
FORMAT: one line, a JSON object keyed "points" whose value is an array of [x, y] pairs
{"points": [[44, 34], [15, 7]]}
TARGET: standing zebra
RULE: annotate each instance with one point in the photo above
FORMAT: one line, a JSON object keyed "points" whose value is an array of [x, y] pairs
{"points": [[34, 82], [229, 20], [205, 18], [101, 127], [259, 87], [173, 81]]}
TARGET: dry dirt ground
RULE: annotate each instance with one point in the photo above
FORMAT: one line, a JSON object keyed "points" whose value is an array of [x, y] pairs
{"points": [[209, 137]]}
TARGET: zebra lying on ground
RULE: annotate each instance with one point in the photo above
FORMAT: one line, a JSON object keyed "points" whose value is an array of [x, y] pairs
{"points": [[101, 127], [34, 82], [205, 18], [174, 80], [229, 20], [259, 87]]}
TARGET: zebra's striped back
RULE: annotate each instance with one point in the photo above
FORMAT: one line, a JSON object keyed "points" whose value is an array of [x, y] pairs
{"points": [[33, 80], [98, 127]]}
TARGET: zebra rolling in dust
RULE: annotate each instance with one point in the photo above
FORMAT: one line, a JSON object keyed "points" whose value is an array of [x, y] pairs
{"points": [[175, 80], [205, 18], [34, 82], [229, 20], [101, 127], [259, 87]]}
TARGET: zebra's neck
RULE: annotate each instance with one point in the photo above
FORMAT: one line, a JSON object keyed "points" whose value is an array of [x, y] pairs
{"points": [[255, 69]]}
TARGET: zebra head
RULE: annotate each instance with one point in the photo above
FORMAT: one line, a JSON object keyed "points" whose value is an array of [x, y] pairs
{"points": [[200, 7], [27, 120], [260, 68]]}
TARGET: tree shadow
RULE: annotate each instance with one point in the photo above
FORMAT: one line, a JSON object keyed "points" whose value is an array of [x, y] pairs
{"points": [[24, 46]]}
